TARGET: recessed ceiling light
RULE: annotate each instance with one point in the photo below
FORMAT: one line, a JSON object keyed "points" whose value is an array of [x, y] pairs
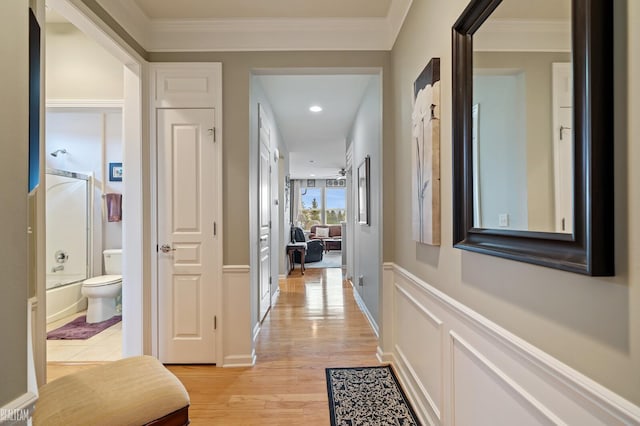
{"points": [[312, 175], [315, 108]]}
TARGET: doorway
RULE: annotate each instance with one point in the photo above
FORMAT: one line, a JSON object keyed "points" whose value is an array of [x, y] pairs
{"points": [[129, 105], [317, 118]]}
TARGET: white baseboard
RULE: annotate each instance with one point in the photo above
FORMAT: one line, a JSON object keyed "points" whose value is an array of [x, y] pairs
{"points": [[458, 367], [234, 361], [365, 311], [256, 332], [238, 333], [274, 297]]}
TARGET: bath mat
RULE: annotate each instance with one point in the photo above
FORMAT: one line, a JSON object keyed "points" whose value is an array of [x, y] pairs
{"points": [[367, 396], [79, 329]]}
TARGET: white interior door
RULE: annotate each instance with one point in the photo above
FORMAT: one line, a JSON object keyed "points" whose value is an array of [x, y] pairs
{"points": [[563, 145], [186, 236], [264, 249]]}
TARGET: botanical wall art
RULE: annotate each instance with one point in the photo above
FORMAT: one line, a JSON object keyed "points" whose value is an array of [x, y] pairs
{"points": [[425, 142]]}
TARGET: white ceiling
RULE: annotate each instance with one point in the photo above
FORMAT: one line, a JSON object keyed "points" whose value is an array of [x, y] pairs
{"points": [[316, 141]]}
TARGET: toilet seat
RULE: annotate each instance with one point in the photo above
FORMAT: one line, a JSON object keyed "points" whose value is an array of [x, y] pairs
{"points": [[102, 280]]}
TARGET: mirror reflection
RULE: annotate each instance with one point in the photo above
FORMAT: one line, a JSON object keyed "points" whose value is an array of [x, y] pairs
{"points": [[522, 118]]}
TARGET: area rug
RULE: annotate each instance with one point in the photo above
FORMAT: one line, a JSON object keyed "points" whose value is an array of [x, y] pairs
{"points": [[332, 259], [367, 396], [79, 329]]}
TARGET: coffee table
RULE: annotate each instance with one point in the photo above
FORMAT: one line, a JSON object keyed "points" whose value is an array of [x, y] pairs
{"points": [[332, 244]]}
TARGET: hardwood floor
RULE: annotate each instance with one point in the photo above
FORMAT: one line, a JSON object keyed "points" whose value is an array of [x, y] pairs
{"points": [[315, 323]]}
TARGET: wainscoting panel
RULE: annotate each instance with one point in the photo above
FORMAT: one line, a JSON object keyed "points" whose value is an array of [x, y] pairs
{"points": [[459, 368], [420, 355], [236, 317], [483, 394], [186, 85]]}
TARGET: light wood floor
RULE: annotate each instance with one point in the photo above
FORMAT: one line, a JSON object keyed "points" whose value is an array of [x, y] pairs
{"points": [[315, 323]]}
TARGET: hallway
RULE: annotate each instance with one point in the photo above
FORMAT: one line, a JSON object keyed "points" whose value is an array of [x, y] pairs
{"points": [[315, 324]]}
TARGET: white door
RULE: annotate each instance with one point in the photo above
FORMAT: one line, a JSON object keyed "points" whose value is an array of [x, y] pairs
{"points": [[186, 236], [264, 249], [563, 146]]}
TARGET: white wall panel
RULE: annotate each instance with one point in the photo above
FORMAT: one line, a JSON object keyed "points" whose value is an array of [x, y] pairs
{"points": [[484, 395], [422, 357], [189, 87], [459, 368]]}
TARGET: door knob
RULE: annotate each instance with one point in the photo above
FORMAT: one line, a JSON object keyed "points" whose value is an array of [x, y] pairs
{"points": [[166, 248]]}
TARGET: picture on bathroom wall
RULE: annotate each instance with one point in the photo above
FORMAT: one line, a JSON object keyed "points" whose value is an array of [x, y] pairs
{"points": [[115, 172], [425, 142]]}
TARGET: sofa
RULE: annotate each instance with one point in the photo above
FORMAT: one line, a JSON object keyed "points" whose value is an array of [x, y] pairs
{"points": [[315, 248], [333, 236], [335, 231]]}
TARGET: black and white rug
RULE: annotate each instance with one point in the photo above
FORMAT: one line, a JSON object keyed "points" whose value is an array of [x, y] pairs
{"points": [[367, 396]]}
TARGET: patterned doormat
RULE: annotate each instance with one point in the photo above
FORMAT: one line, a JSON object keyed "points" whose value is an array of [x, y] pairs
{"points": [[367, 396], [80, 329]]}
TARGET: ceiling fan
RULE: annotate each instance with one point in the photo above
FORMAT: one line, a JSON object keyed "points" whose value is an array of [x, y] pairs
{"points": [[338, 179]]}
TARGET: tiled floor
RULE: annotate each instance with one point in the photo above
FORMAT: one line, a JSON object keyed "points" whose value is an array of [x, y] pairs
{"points": [[105, 346]]}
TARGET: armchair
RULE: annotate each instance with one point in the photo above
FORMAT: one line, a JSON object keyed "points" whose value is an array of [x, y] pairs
{"points": [[315, 248]]}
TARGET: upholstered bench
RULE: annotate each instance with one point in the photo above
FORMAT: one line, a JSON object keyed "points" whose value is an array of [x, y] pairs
{"points": [[132, 391]]}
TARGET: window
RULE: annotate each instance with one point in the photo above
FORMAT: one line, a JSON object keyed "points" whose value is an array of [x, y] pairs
{"points": [[321, 206], [335, 211], [310, 211]]}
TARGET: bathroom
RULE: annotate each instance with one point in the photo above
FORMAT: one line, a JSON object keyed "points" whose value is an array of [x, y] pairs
{"points": [[84, 87]]}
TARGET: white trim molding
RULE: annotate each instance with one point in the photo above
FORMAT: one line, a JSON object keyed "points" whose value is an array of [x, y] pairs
{"points": [[85, 103], [235, 324], [365, 311], [259, 34], [458, 367]]}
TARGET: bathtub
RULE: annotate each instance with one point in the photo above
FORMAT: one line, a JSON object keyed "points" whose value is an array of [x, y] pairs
{"points": [[64, 297]]}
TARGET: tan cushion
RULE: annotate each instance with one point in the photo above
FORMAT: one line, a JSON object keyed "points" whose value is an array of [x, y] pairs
{"points": [[132, 391]]}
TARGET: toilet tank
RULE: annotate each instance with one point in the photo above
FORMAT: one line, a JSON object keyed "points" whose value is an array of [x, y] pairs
{"points": [[112, 261]]}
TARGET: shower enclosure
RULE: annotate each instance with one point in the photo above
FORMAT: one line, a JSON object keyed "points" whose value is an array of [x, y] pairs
{"points": [[68, 236]]}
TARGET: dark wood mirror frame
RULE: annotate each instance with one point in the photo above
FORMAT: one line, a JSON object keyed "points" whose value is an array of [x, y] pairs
{"points": [[590, 249]]}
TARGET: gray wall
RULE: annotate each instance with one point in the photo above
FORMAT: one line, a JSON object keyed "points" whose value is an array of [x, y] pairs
{"points": [[366, 137], [236, 78], [14, 122], [591, 324]]}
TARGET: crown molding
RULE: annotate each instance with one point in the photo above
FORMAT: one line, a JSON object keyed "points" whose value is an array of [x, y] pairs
{"points": [[268, 34], [398, 12]]}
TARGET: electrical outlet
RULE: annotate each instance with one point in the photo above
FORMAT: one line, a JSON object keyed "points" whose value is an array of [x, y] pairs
{"points": [[361, 280], [503, 219]]}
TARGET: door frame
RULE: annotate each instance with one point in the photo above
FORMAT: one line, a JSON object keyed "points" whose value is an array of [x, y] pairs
{"points": [[264, 120], [215, 102], [134, 335]]}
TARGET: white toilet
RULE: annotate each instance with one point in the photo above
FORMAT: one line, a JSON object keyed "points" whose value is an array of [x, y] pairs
{"points": [[101, 291]]}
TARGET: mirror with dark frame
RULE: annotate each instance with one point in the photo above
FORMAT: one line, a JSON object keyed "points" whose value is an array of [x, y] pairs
{"points": [[532, 132]]}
